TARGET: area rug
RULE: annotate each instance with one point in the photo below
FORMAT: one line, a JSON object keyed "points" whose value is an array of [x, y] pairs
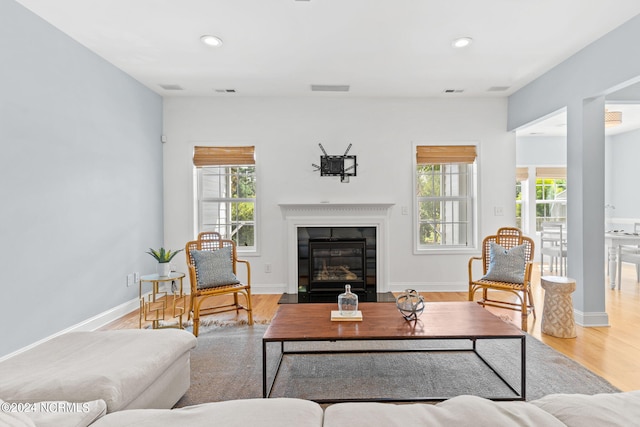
{"points": [[227, 364]]}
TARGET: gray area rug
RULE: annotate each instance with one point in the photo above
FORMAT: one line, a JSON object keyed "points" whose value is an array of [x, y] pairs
{"points": [[227, 364]]}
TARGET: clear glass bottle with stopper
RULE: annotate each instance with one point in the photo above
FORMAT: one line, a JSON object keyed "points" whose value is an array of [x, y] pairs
{"points": [[348, 302]]}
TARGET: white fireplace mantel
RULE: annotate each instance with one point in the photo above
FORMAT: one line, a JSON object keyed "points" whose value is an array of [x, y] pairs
{"points": [[336, 215], [332, 209]]}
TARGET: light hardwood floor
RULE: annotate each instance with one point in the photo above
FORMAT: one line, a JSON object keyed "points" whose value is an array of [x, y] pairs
{"points": [[611, 352]]}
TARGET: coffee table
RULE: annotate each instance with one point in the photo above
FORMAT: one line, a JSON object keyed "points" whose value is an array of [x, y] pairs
{"points": [[383, 322]]}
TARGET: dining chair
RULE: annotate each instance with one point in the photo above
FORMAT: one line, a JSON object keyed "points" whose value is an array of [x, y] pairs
{"points": [[630, 254], [553, 243]]}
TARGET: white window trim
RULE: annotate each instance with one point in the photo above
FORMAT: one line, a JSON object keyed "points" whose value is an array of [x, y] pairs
{"points": [[475, 185], [255, 252]]}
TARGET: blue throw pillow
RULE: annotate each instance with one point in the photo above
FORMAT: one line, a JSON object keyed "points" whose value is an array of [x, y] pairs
{"points": [[214, 268], [506, 265]]}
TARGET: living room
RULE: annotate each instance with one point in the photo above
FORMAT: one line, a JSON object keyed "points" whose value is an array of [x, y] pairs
{"points": [[86, 172]]}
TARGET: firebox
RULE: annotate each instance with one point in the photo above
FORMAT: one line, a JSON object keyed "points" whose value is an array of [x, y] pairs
{"points": [[331, 257]]}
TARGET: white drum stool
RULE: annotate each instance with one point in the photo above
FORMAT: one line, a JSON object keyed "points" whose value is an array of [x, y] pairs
{"points": [[557, 314]]}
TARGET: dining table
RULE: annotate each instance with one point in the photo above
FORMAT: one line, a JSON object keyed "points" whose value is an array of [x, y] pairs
{"points": [[614, 240]]}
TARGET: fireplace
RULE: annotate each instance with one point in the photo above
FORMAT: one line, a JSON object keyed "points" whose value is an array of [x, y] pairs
{"points": [[331, 257], [333, 222]]}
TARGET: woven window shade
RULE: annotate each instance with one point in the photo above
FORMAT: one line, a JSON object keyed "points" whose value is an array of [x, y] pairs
{"points": [[551, 173], [223, 156], [522, 174], [437, 154]]}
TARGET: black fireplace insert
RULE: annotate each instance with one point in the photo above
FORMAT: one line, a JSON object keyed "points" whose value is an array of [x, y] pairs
{"points": [[331, 257]]}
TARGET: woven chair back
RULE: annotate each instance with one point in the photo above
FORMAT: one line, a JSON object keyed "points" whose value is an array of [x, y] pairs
{"points": [[507, 237], [210, 245]]}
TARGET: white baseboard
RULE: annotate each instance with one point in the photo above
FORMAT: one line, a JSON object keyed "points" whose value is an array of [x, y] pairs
{"points": [[430, 287], [591, 319], [269, 289], [91, 324]]}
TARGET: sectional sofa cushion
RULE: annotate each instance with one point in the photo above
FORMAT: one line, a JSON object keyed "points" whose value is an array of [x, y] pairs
{"points": [[118, 367], [605, 409], [457, 411], [280, 412]]}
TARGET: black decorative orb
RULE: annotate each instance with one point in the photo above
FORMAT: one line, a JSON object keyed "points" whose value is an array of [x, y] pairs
{"points": [[411, 304]]}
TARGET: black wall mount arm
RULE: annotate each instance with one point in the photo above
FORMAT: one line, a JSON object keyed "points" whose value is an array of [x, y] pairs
{"points": [[343, 166]]}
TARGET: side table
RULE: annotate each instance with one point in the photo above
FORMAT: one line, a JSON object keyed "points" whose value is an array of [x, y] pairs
{"points": [[153, 305], [557, 314]]}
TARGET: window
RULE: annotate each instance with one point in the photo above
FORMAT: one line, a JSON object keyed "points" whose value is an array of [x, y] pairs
{"points": [[551, 195], [226, 193], [445, 196], [522, 174]]}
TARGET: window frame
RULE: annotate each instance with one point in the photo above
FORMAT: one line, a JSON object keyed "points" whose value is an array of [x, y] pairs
{"points": [[550, 202], [472, 205], [198, 200]]}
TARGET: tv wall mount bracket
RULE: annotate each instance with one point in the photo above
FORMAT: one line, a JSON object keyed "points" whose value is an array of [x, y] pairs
{"points": [[343, 166]]}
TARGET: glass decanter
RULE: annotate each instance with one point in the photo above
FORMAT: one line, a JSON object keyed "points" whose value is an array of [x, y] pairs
{"points": [[348, 302]]}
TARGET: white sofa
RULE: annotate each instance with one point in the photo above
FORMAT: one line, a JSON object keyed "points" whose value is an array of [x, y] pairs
{"points": [[127, 369], [606, 410]]}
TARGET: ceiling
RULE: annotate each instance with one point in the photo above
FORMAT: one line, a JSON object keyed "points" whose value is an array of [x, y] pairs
{"points": [[381, 48]]}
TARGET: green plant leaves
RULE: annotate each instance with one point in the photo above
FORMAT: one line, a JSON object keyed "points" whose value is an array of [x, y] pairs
{"points": [[162, 255]]}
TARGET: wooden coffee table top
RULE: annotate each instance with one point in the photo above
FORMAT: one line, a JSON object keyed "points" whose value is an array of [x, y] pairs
{"points": [[383, 321]]}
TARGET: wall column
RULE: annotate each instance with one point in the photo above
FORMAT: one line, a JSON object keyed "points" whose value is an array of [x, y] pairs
{"points": [[585, 209]]}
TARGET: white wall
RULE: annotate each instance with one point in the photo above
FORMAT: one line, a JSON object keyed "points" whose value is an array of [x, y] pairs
{"points": [[541, 151], [80, 180], [286, 133]]}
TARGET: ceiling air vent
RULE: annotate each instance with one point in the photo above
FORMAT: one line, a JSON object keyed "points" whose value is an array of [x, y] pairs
{"points": [[498, 88], [330, 88], [453, 90], [226, 90], [171, 87]]}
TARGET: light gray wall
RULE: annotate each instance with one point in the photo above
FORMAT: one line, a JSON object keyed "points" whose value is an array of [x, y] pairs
{"points": [[286, 133], [80, 180]]}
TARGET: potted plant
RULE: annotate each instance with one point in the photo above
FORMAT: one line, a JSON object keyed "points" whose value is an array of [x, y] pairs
{"points": [[163, 257]]}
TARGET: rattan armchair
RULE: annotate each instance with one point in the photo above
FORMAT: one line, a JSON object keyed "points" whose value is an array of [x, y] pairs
{"points": [[211, 242], [507, 237]]}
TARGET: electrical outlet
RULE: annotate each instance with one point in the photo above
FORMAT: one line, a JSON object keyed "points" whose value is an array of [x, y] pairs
{"points": [[267, 268], [136, 278], [130, 279], [498, 211], [405, 210]]}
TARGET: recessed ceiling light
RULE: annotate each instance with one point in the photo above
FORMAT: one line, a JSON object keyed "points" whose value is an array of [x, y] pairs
{"points": [[461, 42], [211, 40]]}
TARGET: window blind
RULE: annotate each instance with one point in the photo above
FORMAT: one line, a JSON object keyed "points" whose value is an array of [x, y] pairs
{"points": [[551, 172], [438, 154], [223, 156], [522, 174]]}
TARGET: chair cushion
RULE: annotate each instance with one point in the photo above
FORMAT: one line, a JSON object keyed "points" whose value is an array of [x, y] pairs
{"points": [[506, 265], [214, 268]]}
